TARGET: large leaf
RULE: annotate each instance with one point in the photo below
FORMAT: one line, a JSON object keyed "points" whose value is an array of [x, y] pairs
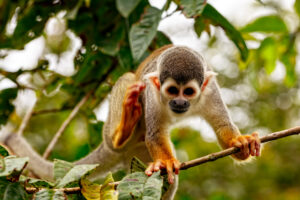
{"points": [[11, 190], [75, 174], [48, 194], [13, 167], [6, 106], [93, 191], [38, 183], [192, 8], [139, 186], [61, 168], [268, 53], [215, 18], [126, 7], [268, 24], [142, 33]]}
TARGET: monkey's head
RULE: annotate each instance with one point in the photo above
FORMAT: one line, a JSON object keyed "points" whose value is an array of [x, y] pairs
{"points": [[181, 77]]}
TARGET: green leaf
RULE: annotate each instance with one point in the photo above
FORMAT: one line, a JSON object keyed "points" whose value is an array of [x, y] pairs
{"points": [[3, 152], [199, 25], [192, 8], [142, 33], [75, 174], [61, 168], [161, 39], [38, 182], [13, 167], [297, 7], [267, 24], [216, 19], [48, 194], [137, 166], [268, 53], [11, 190], [126, 7], [94, 191], [139, 186], [110, 45], [6, 106]]}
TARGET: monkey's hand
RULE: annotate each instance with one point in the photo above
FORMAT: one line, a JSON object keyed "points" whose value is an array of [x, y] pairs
{"points": [[131, 113], [171, 165], [248, 144]]}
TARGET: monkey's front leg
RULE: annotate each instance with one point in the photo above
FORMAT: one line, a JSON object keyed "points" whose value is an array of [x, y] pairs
{"points": [[160, 150], [131, 112]]}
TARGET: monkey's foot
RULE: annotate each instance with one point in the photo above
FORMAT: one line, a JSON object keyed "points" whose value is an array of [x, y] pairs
{"points": [[171, 165], [131, 113], [248, 144]]}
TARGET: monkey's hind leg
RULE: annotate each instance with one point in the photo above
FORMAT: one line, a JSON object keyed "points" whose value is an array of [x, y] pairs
{"points": [[131, 108]]}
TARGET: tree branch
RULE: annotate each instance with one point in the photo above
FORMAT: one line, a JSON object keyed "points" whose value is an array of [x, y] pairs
{"points": [[25, 120], [232, 150], [195, 162], [65, 124]]}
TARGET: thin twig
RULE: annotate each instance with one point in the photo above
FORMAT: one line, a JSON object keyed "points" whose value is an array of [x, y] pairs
{"points": [[65, 125], [232, 150], [25, 120]]}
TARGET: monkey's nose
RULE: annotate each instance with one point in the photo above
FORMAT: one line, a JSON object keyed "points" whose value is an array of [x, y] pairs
{"points": [[179, 105]]}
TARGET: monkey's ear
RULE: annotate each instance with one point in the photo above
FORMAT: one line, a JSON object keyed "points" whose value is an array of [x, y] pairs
{"points": [[153, 77], [207, 77]]}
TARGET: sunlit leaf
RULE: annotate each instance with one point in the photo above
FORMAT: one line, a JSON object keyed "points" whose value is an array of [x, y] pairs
{"points": [[37, 182], [192, 8], [11, 190], [142, 33], [6, 106], [268, 24], [61, 168], [199, 25], [268, 53], [48, 194], [216, 19], [126, 7], [75, 174], [94, 191]]}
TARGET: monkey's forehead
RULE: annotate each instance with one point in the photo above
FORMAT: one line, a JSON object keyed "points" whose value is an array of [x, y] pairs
{"points": [[181, 64]]}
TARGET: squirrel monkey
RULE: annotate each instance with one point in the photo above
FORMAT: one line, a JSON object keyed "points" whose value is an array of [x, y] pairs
{"points": [[172, 83]]}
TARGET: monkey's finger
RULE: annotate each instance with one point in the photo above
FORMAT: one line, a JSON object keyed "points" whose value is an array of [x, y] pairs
{"points": [[176, 165], [245, 146], [149, 169], [252, 148], [157, 165], [171, 177]]}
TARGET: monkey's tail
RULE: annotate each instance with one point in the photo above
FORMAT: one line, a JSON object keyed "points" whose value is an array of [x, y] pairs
{"points": [[42, 168]]}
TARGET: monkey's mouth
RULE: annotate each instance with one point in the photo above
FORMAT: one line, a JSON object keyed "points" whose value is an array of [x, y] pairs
{"points": [[179, 110]]}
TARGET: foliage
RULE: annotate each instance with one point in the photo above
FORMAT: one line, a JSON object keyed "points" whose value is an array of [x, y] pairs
{"points": [[115, 37]]}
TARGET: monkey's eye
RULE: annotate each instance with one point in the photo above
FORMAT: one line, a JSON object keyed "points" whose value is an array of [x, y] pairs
{"points": [[189, 91], [173, 90]]}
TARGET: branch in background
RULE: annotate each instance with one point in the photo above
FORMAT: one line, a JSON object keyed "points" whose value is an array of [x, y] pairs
{"points": [[25, 120], [54, 110], [232, 150], [65, 125]]}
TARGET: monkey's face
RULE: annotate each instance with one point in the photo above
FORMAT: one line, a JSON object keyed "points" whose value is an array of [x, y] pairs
{"points": [[179, 97]]}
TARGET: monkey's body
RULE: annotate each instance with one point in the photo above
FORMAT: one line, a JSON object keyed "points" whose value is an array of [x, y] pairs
{"points": [[141, 112]]}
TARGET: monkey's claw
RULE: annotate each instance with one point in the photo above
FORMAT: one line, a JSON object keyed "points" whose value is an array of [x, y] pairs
{"points": [[171, 165], [248, 144]]}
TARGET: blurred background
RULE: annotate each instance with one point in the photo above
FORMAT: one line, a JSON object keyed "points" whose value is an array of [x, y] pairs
{"points": [[54, 53]]}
